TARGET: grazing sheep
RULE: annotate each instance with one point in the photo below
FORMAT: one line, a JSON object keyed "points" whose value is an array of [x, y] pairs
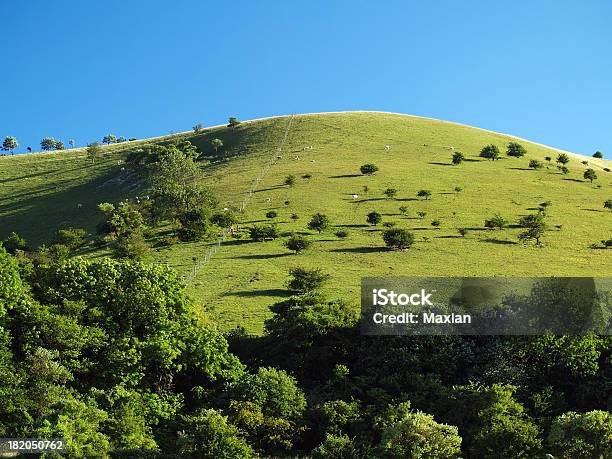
{"points": [[225, 209], [296, 158], [268, 199], [312, 161], [355, 196], [387, 147], [79, 205]]}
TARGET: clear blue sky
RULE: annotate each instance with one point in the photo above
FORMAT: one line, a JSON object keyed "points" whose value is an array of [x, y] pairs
{"points": [[76, 69]]}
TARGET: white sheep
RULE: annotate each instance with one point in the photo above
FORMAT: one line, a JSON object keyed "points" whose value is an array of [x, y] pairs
{"points": [[79, 205], [387, 147], [355, 196], [268, 200]]}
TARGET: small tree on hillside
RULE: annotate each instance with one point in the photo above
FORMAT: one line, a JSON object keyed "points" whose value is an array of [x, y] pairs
{"points": [[496, 222], [426, 194], [516, 149], [9, 144], [271, 214], [109, 138], [458, 158], [590, 174], [93, 150], [462, 231], [48, 144], [390, 193], [608, 204], [297, 243], [289, 180], [598, 155], [398, 238], [403, 210], [563, 169], [318, 222], [216, 144], [369, 169], [306, 280], [535, 164], [421, 214], [261, 233], [548, 159], [490, 152], [374, 218], [535, 227], [198, 128], [233, 122], [563, 159]]}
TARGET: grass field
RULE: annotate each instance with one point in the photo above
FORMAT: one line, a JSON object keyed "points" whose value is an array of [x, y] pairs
{"points": [[40, 193]]}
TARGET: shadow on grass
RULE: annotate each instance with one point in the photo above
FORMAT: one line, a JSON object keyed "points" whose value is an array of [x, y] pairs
{"points": [[255, 293], [263, 256], [360, 250], [345, 176], [352, 226], [498, 241], [472, 160], [270, 188], [368, 200], [440, 164], [573, 180], [449, 237], [238, 242], [520, 168]]}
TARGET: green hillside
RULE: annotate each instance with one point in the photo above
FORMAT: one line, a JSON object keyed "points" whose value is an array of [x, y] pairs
{"points": [[42, 192]]}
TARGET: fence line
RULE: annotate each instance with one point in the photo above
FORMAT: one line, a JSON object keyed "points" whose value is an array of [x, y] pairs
{"points": [[277, 156]]}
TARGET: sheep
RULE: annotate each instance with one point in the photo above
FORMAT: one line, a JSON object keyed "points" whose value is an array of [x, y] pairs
{"points": [[225, 209], [355, 196], [79, 205], [387, 147], [268, 200], [296, 158]]}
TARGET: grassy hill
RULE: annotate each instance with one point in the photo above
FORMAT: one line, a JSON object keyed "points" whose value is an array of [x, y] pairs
{"points": [[42, 192]]}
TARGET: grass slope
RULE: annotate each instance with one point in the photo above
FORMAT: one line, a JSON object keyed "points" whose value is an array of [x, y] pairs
{"points": [[39, 193]]}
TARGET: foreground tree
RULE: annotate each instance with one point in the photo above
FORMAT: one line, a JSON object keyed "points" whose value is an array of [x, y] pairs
{"points": [[398, 238], [581, 435]]}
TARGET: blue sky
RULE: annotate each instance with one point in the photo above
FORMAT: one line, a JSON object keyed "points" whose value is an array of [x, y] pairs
{"points": [[73, 69]]}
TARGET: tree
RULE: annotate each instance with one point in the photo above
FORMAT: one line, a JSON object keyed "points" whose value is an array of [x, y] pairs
{"points": [[306, 280], [289, 180], [516, 149], [208, 434], [462, 231], [374, 218], [272, 390], [458, 158], [458, 189], [261, 233], [297, 243], [71, 142], [233, 122], [424, 194], [563, 169], [398, 238], [319, 222], [497, 221], [342, 234], [336, 447], [390, 193], [216, 144], [590, 174], [368, 169], [403, 210], [73, 238], [197, 128], [608, 204], [490, 152], [421, 214], [9, 144], [13, 243], [271, 214], [109, 138], [535, 164], [194, 223], [436, 223], [224, 219], [548, 159], [598, 155], [563, 159], [59, 145], [48, 144], [93, 150], [535, 227], [411, 434], [581, 435]]}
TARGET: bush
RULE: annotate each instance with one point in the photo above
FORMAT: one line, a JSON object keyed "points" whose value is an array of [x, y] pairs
{"points": [[564, 170], [436, 223], [607, 205], [271, 214], [516, 149], [462, 231], [274, 391], [133, 246], [71, 237], [398, 238], [336, 447], [289, 180], [607, 243], [295, 217], [497, 221], [223, 219], [297, 243], [261, 233], [318, 222], [216, 144], [535, 164], [424, 194], [598, 154], [548, 159], [581, 435], [306, 280], [390, 193], [13, 243], [403, 210], [194, 224], [306, 176], [233, 122], [458, 189], [368, 169], [563, 159], [421, 214], [490, 152], [458, 157], [342, 234], [374, 218]]}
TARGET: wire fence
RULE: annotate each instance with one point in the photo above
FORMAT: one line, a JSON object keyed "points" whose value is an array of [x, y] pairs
{"points": [[277, 156]]}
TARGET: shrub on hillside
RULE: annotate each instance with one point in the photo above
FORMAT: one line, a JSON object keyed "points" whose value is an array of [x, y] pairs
{"points": [[368, 169], [306, 280], [516, 150], [398, 238], [374, 218], [261, 233], [490, 152], [297, 243]]}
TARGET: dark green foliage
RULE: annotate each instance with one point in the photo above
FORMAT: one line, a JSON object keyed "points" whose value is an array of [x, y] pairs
{"points": [[369, 169], [271, 214], [436, 223], [374, 218], [297, 243], [590, 174], [216, 144], [9, 144], [535, 164], [462, 231], [73, 238], [598, 154], [342, 234], [496, 222], [14, 242], [398, 238], [458, 158], [563, 159], [608, 204], [261, 233], [194, 224], [49, 143], [403, 210], [516, 149], [390, 193], [306, 280], [426, 194], [319, 222], [564, 170], [535, 227], [233, 122], [93, 151], [490, 152], [223, 219], [578, 435], [289, 180]]}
